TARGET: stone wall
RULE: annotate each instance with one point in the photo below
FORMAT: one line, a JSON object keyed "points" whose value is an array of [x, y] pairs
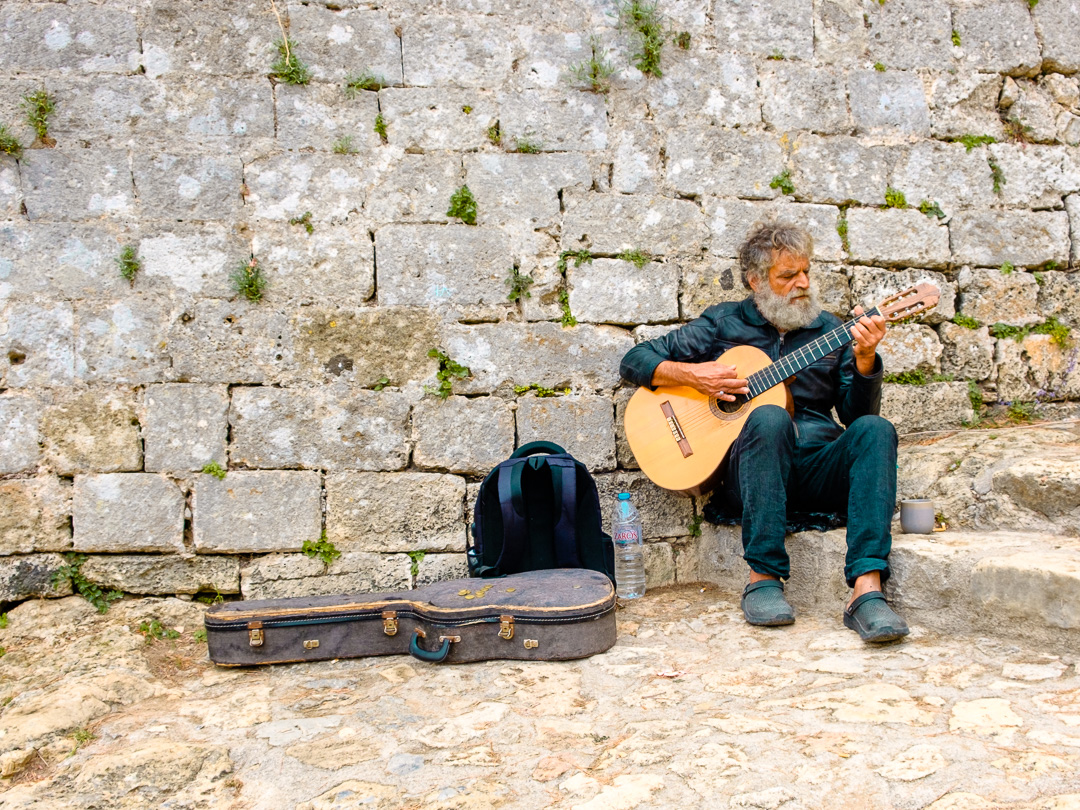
{"points": [[172, 138]]}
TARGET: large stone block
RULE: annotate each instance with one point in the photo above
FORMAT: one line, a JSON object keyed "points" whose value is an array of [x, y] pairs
{"points": [[395, 512], [580, 423], [1033, 107], [910, 347], [636, 167], [612, 223], [457, 270], [93, 431], [333, 428], [194, 261], [459, 435], [335, 264], [77, 184], [870, 285], [523, 190], [965, 103], [121, 512], [126, 341], [890, 103], [416, 189], [897, 237], [438, 567], [840, 170], [45, 260], [1034, 175], [910, 34], [163, 574], [713, 160], [459, 51], [20, 433], [719, 87], [543, 55], [36, 344], [1059, 297], [966, 353], [1024, 238], [617, 291], [1039, 589], [26, 577], [337, 43], [663, 513], [707, 282], [584, 357], [623, 452], [210, 40], [730, 221], [255, 512], [276, 576], [285, 187], [185, 426], [937, 406], [554, 121], [990, 296], [840, 34], [10, 188], [765, 28], [318, 116], [189, 187], [998, 36], [798, 97], [83, 38], [35, 515], [659, 565], [943, 173], [1058, 26], [430, 119], [1046, 370]]}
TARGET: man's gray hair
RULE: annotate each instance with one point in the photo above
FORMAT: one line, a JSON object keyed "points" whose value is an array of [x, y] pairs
{"points": [[758, 253]]}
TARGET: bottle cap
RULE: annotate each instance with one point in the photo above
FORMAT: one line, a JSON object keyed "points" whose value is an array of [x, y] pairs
{"points": [[624, 496]]}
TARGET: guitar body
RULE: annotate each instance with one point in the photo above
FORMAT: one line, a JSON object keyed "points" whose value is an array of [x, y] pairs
{"points": [[681, 437]]}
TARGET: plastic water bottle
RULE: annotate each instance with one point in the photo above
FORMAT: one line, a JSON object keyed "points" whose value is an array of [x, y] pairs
{"points": [[629, 557]]}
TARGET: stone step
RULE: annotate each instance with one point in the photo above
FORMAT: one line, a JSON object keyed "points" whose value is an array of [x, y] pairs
{"points": [[1017, 586]]}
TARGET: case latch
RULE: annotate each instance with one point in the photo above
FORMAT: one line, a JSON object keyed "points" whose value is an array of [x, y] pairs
{"points": [[506, 627], [389, 622], [255, 634]]}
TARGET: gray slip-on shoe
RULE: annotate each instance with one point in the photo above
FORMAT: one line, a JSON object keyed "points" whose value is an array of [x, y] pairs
{"points": [[764, 605], [871, 617]]}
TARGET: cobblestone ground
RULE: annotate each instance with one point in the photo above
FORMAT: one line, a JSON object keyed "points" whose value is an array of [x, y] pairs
{"points": [[692, 708]]}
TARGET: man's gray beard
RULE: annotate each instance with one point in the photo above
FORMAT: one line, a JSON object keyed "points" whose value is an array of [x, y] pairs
{"points": [[782, 312]]}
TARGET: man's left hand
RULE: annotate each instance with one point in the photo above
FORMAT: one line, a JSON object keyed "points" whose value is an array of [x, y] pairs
{"points": [[866, 334]]}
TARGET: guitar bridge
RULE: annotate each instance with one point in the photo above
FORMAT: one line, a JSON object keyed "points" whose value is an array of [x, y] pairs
{"points": [[676, 429]]}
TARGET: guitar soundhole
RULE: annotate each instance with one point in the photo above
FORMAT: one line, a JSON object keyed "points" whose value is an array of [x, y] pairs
{"points": [[722, 406]]}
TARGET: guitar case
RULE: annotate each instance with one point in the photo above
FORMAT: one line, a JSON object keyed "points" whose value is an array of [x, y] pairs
{"points": [[550, 615]]}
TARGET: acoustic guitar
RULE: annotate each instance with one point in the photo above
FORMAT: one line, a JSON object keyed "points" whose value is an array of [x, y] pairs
{"points": [[681, 437]]}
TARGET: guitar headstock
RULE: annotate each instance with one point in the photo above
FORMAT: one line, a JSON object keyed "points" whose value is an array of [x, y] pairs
{"points": [[910, 302]]}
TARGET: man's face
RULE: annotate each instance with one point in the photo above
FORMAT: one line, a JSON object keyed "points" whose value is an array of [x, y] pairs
{"points": [[789, 277], [789, 300]]}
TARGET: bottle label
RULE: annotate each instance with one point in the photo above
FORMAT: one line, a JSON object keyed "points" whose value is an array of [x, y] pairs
{"points": [[626, 536]]}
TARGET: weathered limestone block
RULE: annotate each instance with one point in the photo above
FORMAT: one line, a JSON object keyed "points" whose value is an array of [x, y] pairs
{"points": [[60, 260], [287, 186], [395, 512], [1038, 588], [217, 341], [945, 173], [623, 452], [870, 285], [663, 513], [1034, 175], [966, 353], [37, 345], [92, 431], [554, 121], [542, 55], [26, 577], [127, 512], [1036, 111], [1013, 373], [1024, 238], [890, 103], [163, 574], [125, 341], [936, 406], [318, 116], [964, 103], [636, 145], [10, 188], [185, 426], [219, 41], [763, 28], [283, 575], [707, 282], [87, 39], [797, 97], [834, 289], [730, 220], [437, 567], [659, 565], [417, 189], [522, 190], [580, 423], [35, 515], [990, 296], [612, 223], [1050, 486], [617, 291], [839, 32], [76, 184], [584, 357], [713, 160], [438, 50], [1072, 206], [910, 347], [459, 435], [337, 43], [998, 37], [457, 270], [1064, 90], [1058, 26], [1068, 127], [897, 237], [910, 34], [541, 263], [365, 345], [432, 119], [202, 187], [1053, 368], [719, 87], [255, 512], [195, 261], [839, 170], [1059, 297], [334, 264], [334, 428], [20, 433]]}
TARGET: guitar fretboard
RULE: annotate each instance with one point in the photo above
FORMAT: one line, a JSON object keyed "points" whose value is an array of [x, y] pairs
{"points": [[775, 373]]}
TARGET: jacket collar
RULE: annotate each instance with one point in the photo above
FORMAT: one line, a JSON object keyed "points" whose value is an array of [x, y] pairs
{"points": [[749, 312]]}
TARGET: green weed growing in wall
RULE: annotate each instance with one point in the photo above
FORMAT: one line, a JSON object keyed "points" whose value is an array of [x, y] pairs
{"points": [[594, 73], [783, 182], [38, 106], [321, 548], [248, 280], [128, 263], [289, 68], [540, 390], [305, 220], [519, 285], [997, 175], [364, 80], [646, 24], [931, 209], [9, 144], [214, 469], [894, 198], [463, 206], [380, 127], [92, 593], [971, 141], [344, 146], [965, 321], [447, 373], [638, 258]]}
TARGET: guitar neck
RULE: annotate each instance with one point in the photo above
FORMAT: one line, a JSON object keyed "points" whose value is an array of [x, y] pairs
{"points": [[790, 364]]}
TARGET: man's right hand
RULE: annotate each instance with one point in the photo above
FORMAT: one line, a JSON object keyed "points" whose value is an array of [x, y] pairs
{"points": [[710, 378]]}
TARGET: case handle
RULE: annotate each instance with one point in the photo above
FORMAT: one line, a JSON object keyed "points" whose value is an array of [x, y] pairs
{"points": [[536, 447], [435, 656]]}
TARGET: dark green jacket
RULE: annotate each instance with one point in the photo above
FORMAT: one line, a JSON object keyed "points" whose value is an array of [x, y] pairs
{"points": [[832, 382]]}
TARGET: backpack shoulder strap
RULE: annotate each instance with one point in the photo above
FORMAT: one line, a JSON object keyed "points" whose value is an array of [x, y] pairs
{"points": [[515, 529], [564, 484]]}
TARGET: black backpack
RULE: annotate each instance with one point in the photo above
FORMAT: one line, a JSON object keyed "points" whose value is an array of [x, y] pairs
{"points": [[539, 509]]}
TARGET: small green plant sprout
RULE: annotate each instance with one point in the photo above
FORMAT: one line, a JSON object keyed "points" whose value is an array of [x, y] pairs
{"points": [[153, 630], [92, 593], [1020, 412], [494, 134], [248, 280], [1050, 265], [894, 198], [305, 220], [540, 390], [215, 469], [997, 175], [3, 621], [527, 145], [638, 258], [463, 206], [783, 182], [321, 548], [568, 318], [38, 106], [644, 21], [380, 128], [1007, 268], [1059, 333], [580, 257], [593, 74], [82, 737], [880, 67], [9, 144], [965, 321], [931, 209], [416, 557], [128, 264], [1032, 3], [467, 109], [971, 141], [842, 231], [956, 38], [915, 377], [1040, 277], [777, 55], [344, 146], [1017, 131], [289, 68], [694, 527], [200, 635], [381, 383], [364, 80], [447, 373], [519, 285], [216, 599], [682, 40], [975, 397]]}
